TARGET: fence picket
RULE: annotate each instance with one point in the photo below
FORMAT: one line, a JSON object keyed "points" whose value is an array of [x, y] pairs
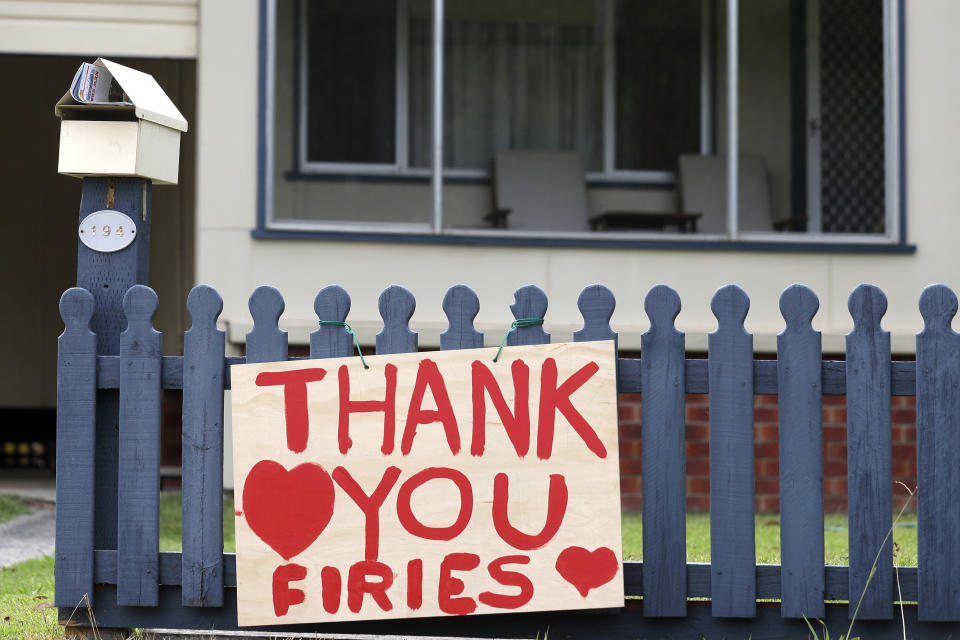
{"points": [[266, 342], [331, 341], [596, 303], [461, 306], [868, 455], [139, 460], [732, 546], [76, 446], [938, 443], [663, 457], [396, 305], [202, 467], [529, 302], [801, 456]]}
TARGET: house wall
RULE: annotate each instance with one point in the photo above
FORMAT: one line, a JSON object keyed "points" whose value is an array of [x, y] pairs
{"points": [[155, 28], [229, 258]]}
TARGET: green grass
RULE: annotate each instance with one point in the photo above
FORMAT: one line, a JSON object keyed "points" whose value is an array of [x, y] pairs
{"points": [[26, 593], [767, 532], [11, 507], [171, 522], [27, 588]]}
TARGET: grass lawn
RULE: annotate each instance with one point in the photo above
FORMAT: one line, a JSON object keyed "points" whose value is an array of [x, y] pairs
{"points": [[26, 601], [26, 589], [11, 507], [767, 536]]}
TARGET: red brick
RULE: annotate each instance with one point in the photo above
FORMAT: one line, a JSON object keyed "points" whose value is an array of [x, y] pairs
{"points": [[904, 451], [835, 415], [698, 432], [698, 503], [767, 433], [698, 466], [835, 504], [834, 468], [765, 400], [631, 503], [629, 448], [904, 469], [835, 486], [767, 504], [697, 414], [767, 485], [627, 413], [630, 466], [631, 398], [835, 451], [629, 484], [766, 450], [698, 399], [834, 400], [766, 415], [630, 430], [698, 448], [771, 467], [903, 415], [697, 485], [832, 433]]}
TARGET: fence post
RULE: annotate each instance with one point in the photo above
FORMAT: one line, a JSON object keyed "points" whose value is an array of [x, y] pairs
{"points": [[108, 276]]}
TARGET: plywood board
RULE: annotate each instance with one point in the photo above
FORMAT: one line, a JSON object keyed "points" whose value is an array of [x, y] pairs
{"points": [[429, 484]]}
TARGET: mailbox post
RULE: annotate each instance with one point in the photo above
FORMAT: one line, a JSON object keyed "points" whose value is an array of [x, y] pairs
{"points": [[119, 152]]}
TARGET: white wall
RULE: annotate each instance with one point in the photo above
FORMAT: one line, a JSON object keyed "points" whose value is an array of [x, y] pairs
{"points": [[152, 28], [231, 260]]}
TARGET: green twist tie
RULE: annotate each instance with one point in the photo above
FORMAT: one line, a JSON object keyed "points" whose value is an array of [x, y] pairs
{"points": [[519, 323], [356, 341]]}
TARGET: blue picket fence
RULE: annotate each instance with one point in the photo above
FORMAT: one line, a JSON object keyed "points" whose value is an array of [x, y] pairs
{"points": [[132, 584]]}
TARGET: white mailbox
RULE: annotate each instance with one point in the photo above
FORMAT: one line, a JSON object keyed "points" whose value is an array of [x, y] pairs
{"points": [[139, 137]]}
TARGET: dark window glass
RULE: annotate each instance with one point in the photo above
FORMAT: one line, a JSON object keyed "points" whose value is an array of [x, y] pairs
{"points": [[517, 75], [351, 81], [657, 83]]}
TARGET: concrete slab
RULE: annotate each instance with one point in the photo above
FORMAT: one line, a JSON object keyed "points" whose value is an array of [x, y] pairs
{"points": [[29, 536]]}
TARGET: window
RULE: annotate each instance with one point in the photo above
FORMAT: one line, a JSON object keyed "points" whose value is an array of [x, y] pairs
{"points": [[651, 96], [528, 75]]}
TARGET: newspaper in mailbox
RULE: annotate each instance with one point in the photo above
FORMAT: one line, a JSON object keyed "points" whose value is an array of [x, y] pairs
{"points": [[93, 84]]}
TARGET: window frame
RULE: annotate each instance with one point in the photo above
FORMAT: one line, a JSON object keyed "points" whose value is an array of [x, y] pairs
{"points": [[893, 240]]}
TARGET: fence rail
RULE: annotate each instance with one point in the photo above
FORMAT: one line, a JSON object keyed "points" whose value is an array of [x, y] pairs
{"points": [[136, 585]]}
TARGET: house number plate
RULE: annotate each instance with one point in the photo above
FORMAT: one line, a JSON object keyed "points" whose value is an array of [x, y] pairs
{"points": [[107, 231]]}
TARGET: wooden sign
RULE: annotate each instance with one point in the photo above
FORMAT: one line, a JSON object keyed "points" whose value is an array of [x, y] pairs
{"points": [[429, 484]]}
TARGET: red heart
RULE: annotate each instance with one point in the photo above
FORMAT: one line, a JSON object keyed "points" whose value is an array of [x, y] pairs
{"points": [[587, 570], [288, 509]]}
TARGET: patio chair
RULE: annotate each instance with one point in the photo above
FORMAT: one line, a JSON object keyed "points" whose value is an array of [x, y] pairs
{"points": [[543, 190], [703, 187], [539, 190]]}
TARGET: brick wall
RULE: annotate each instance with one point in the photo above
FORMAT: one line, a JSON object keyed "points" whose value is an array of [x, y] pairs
{"points": [[766, 451]]}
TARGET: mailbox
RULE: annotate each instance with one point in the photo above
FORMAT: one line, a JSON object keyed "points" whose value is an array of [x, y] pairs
{"points": [[140, 140]]}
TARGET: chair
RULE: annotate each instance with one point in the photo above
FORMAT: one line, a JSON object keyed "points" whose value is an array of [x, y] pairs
{"points": [[703, 188], [539, 190], [545, 191]]}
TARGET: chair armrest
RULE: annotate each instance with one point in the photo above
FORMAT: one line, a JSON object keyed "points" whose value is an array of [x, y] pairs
{"points": [[497, 218], [793, 223]]}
